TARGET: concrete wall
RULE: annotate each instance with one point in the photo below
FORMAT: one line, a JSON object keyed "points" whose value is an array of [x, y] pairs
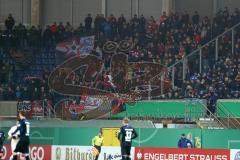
{"points": [[73, 11], [82, 7], [20, 9], [8, 108], [117, 7], [130, 7], [56, 10], [150, 8], [231, 4], [204, 7]]}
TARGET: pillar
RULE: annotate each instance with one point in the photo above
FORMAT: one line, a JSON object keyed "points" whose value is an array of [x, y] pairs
{"points": [[104, 7], [168, 6], [36, 12], [215, 6]]}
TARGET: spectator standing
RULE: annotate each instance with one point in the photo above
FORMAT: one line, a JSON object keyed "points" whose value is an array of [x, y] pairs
{"points": [[88, 23], [68, 30], [54, 30], [211, 101], [120, 22], [9, 22], [47, 37], [18, 93], [195, 18]]}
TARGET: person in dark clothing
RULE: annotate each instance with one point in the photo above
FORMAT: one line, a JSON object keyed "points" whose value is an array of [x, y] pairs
{"points": [[23, 144], [48, 37], [9, 22], [88, 23], [184, 142], [195, 18], [2, 138], [126, 135], [211, 101]]}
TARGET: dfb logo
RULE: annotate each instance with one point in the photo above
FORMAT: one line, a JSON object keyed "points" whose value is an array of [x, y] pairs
{"points": [[237, 156]]}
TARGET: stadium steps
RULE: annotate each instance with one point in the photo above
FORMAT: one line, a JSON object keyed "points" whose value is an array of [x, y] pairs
{"points": [[233, 123], [208, 123]]}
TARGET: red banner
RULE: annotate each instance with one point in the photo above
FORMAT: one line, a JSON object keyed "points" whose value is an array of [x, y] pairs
{"points": [[181, 154], [37, 152]]}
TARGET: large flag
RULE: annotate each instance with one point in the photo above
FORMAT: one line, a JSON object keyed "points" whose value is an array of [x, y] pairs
{"points": [[77, 46]]}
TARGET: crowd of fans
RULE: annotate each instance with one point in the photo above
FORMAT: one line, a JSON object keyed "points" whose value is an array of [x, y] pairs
{"points": [[222, 74], [165, 40]]}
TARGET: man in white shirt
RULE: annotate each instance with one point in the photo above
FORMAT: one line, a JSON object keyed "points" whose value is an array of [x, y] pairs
{"points": [[14, 138]]}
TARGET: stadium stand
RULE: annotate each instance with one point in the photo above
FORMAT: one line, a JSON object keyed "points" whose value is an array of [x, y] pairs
{"points": [[165, 41], [79, 73]]}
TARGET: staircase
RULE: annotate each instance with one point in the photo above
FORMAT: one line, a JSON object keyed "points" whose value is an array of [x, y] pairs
{"points": [[208, 123]]}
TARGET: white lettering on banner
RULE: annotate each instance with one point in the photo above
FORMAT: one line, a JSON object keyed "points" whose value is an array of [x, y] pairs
{"points": [[36, 153], [60, 152], [155, 156], [113, 153], [24, 106], [72, 152], [207, 157]]}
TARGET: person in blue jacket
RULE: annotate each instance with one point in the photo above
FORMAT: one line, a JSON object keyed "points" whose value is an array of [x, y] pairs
{"points": [[184, 142]]}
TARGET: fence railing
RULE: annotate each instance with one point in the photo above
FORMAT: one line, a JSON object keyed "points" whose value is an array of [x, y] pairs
{"points": [[197, 56], [228, 117], [205, 112]]}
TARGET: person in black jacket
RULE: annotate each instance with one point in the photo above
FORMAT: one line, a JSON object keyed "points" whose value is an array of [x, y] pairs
{"points": [[9, 22], [88, 23]]}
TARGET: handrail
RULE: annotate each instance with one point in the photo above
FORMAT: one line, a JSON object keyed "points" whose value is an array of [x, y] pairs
{"points": [[227, 115], [229, 112], [211, 114], [197, 50]]}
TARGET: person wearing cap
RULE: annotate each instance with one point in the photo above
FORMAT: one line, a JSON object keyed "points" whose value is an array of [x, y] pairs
{"points": [[184, 142], [97, 142]]}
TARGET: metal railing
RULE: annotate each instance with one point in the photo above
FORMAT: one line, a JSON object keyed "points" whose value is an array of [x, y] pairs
{"points": [[232, 121], [206, 113], [198, 52]]}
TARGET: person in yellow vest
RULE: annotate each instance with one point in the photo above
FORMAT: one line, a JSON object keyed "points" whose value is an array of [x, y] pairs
{"points": [[97, 142]]}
